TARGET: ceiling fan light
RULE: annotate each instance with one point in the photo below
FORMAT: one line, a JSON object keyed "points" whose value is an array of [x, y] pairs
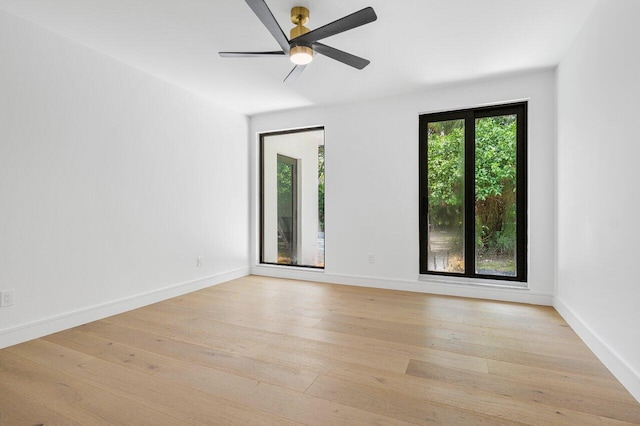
{"points": [[301, 55]]}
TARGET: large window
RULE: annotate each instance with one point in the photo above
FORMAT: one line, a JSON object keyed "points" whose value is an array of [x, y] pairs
{"points": [[473, 193], [292, 198]]}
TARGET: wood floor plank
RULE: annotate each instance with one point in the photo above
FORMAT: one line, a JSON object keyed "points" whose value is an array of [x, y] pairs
{"points": [[72, 397], [364, 308], [422, 318], [396, 405], [17, 409], [605, 388], [261, 350], [465, 307], [276, 374], [291, 337], [108, 350], [615, 409], [593, 367], [442, 392], [204, 327], [421, 332], [169, 398], [502, 406], [409, 301], [382, 347], [227, 342], [273, 399], [199, 303], [572, 348]]}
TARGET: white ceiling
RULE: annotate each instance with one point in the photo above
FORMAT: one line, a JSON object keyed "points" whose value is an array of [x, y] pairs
{"points": [[414, 44]]}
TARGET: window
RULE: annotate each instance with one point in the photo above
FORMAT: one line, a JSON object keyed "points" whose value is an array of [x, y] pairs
{"points": [[292, 198], [473, 193]]}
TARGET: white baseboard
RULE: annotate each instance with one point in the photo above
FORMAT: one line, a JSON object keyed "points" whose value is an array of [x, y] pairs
{"points": [[620, 368], [492, 292], [33, 330]]}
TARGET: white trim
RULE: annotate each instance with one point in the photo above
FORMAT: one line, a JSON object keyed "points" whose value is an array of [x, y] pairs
{"points": [[443, 279], [290, 268], [42, 327], [520, 295], [474, 106], [618, 366]]}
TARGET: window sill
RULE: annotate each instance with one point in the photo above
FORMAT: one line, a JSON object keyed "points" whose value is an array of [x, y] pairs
{"points": [[474, 282], [289, 268]]}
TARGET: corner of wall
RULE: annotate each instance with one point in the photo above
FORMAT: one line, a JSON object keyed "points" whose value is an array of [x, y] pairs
{"points": [[618, 366]]}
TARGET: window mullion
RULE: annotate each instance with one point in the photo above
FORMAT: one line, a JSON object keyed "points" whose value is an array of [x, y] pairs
{"points": [[424, 201], [521, 182], [469, 194]]}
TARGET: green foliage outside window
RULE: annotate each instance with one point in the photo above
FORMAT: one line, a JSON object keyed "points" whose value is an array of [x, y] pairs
{"points": [[284, 185], [495, 177]]}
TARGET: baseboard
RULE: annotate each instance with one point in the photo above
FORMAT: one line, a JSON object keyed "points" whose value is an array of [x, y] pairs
{"points": [[33, 330], [420, 286], [620, 368]]}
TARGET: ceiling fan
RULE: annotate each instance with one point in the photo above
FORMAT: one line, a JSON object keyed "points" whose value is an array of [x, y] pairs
{"points": [[303, 43]]}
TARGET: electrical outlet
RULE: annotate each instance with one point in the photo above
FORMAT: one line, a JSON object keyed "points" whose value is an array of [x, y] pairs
{"points": [[6, 297], [199, 261], [371, 257]]}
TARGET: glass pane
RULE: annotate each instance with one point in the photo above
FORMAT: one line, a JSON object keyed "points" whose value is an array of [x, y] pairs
{"points": [[496, 195], [445, 176], [286, 184], [320, 257]]}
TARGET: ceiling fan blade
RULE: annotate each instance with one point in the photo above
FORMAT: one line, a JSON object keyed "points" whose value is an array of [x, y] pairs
{"points": [[251, 54], [294, 74], [349, 22], [263, 13], [341, 56]]}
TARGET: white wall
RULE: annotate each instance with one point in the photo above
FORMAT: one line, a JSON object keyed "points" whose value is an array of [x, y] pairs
{"points": [[598, 194], [112, 182], [371, 204]]}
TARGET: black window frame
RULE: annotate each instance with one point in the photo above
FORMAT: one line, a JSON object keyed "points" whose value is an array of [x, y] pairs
{"points": [[262, 137], [469, 116]]}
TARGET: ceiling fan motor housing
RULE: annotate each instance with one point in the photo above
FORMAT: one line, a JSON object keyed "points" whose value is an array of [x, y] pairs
{"points": [[299, 17]]}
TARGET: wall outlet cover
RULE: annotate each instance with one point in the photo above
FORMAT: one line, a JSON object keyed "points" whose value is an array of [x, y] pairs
{"points": [[6, 297]]}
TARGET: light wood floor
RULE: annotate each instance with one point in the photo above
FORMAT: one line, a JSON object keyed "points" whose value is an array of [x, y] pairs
{"points": [[270, 351]]}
